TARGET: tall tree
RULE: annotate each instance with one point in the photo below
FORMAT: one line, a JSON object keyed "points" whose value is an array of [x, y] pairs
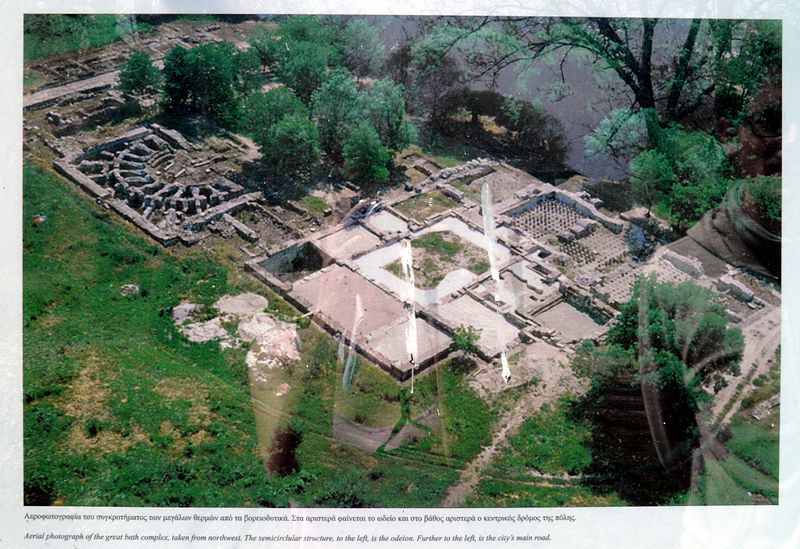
{"points": [[360, 47], [365, 157], [201, 80], [335, 107], [385, 107], [653, 178], [260, 111], [667, 343], [291, 146], [177, 80], [672, 80], [304, 68], [247, 66], [139, 75]]}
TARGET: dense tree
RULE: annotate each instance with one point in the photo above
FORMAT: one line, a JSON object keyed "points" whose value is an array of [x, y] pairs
{"points": [[747, 56], [335, 107], [536, 134], [291, 146], [620, 135], [365, 157], [652, 178], [177, 80], [305, 28], [360, 47], [304, 68], [684, 320], [260, 111], [201, 80], [676, 79], [645, 393], [385, 107], [247, 67], [139, 75], [686, 174], [435, 78]]}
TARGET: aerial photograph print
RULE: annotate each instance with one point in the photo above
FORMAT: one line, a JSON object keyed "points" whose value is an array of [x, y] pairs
{"points": [[329, 261]]}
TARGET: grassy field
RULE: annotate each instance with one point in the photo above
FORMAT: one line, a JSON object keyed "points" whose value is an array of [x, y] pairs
{"points": [[120, 409], [314, 204], [752, 467], [550, 442], [529, 472], [505, 493], [439, 253], [47, 35]]}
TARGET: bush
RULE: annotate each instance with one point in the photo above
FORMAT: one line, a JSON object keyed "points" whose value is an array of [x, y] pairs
{"points": [[765, 192]]}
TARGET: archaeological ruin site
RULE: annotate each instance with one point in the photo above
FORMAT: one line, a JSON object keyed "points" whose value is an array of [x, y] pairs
{"points": [[316, 310]]}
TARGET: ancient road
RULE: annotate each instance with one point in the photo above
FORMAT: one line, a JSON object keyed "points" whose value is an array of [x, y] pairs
{"points": [[93, 82], [762, 335], [49, 94]]}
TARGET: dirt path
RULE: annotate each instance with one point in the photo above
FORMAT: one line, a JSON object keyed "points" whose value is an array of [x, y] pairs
{"points": [[361, 437], [555, 378], [761, 337], [371, 438], [510, 422]]}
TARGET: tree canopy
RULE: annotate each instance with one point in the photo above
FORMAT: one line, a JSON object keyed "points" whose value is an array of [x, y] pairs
{"points": [[291, 146], [713, 58], [683, 320], [304, 68], [139, 75], [646, 381], [260, 111], [365, 157], [203, 80], [335, 107]]}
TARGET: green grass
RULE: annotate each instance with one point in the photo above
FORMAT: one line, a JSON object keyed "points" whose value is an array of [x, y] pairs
{"points": [[751, 479], [753, 463], [314, 204], [443, 251], [721, 489], [757, 446], [436, 243], [47, 35], [422, 206], [373, 399], [468, 420], [505, 493], [448, 153], [478, 267], [336, 474], [549, 442], [120, 409]]}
